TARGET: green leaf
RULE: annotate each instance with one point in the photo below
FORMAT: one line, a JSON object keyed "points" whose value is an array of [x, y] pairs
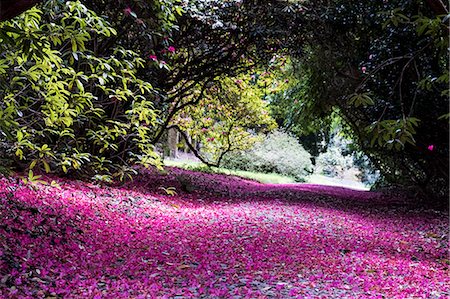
{"points": [[79, 85], [46, 166], [33, 164], [74, 45]]}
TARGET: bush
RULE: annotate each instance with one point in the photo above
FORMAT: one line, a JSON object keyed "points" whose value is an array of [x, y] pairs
{"points": [[333, 163], [368, 175], [65, 109], [278, 153], [343, 160]]}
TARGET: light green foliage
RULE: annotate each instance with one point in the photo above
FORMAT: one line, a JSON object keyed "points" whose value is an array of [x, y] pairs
{"points": [[297, 108], [343, 159], [229, 117], [64, 108], [277, 153]]}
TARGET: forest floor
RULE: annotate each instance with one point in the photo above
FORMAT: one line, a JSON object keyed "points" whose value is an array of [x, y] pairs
{"points": [[217, 237]]}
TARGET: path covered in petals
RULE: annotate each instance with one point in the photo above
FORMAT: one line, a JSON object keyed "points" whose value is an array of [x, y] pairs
{"points": [[223, 237]]}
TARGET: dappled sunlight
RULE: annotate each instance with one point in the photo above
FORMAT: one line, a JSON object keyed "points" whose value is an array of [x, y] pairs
{"points": [[346, 183]]}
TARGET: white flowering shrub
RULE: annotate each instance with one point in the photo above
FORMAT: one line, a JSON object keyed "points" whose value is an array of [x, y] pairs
{"points": [[333, 163], [278, 153]]}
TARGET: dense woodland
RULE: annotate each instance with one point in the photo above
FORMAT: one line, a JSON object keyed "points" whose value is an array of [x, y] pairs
{"points": [[90, 88]]}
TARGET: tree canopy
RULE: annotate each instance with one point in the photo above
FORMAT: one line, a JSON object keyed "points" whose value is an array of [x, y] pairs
{"points": [[91, 88]]}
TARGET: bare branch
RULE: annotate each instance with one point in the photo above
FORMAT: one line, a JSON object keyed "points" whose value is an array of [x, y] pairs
{"points": [[176, 109], [191, 147]]}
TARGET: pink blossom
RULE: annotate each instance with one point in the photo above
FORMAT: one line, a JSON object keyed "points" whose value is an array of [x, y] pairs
{"points": [[431, 147], [153, 57], [127, 11], [171, 49], [363, 69], [227, 237]]}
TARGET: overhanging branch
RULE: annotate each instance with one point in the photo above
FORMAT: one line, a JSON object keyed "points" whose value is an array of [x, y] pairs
{"points": [[176, 109], [191, 147], [11, 8]]}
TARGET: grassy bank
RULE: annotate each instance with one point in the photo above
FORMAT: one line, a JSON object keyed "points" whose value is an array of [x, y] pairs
{"points": [[268, 178]]}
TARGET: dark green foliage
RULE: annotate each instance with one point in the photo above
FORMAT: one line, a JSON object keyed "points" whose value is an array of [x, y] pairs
{"points": [[383, 67]]}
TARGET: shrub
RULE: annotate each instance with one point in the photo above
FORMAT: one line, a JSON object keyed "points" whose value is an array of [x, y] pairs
{"points": [[278, 153], [65, 109], [342, 159], [368, 175], [227, 117], [333, 163]]}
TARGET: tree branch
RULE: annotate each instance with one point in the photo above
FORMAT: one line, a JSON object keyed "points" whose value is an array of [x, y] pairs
{"points": [[11, 8], [191, 147], [177, 109]]}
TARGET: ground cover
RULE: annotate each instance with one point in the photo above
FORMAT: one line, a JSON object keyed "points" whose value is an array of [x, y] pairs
{"points": [[218, 237]]}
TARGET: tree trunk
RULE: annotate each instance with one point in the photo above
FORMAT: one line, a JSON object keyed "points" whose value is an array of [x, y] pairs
{"points": [[438, 7], [186, 148], [173, 142], [11, 8]]}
